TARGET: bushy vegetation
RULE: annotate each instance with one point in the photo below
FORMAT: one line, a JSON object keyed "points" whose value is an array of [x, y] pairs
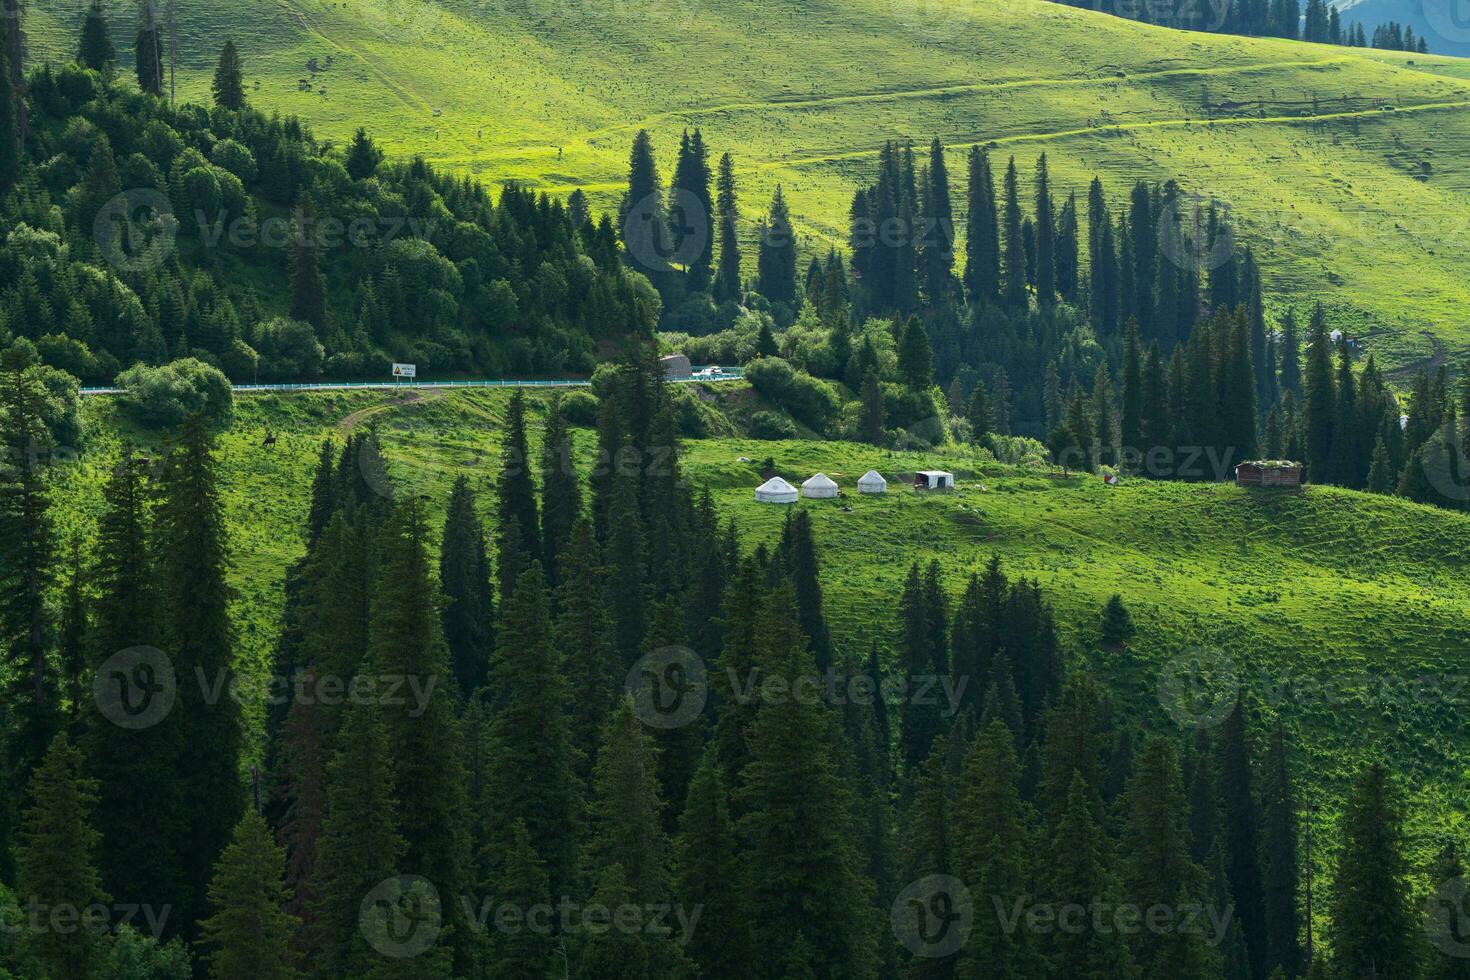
{"points": [[167, 395]]}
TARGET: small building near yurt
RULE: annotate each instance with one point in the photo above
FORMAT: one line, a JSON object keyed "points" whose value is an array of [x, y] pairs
{"points": [[775, 491], [933, 480], [676, 367], [820, 487], [872, 482]]}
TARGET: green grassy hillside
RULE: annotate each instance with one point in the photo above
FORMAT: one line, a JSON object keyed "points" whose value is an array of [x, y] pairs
{"points": [[1362, 206], [1346, 613]]}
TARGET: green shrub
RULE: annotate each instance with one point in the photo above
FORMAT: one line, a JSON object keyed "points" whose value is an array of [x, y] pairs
{"points": [[580, 408], [166, 395], [811, 402], [769, 425]]}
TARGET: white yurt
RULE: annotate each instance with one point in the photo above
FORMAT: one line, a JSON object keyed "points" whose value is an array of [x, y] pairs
{"points": [[775, 491], [872, 482], [820, 486]]}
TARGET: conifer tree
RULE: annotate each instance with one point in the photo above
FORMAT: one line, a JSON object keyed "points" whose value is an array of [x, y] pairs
{"points": [[627, 556], [250, 932], [1013, 264], [709, 875], [1291, 372], [57, 864], [27, 556], [993, 846], [915, 357], [561, 492], [1320, 401], [228, 86], [1046, 254], [95, 50], [148, 50], [870, 420], [1373, 922], [978, 415], [692, 211], [626, 808], [1157, 868], [1132, 418], [363, 156], [613, 954], [776, 255], [1240, 828], [516, 495], [1279, 859], [1072, 749], [1117, 623], [10, 122], [806, 878], [469, 603], [1079, 875], [304, 267], [584, 633], [360, 845], [520, 953], [135, 768], [982, 235], [531, 776], [727, 285], [191, 552], [919, 723], [406, 641]]}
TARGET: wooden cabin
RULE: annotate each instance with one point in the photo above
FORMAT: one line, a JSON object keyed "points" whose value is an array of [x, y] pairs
{"points": [[1268, 473]]}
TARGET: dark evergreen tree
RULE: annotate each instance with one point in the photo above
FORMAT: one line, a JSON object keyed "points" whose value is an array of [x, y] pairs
{"points": [[516, 495], [468, 613], [228, 86], [915, 357], [709, 875], [727, 285], [304, 267], [191, 551], [531, 776], [807, 886], [1279, 860], [561, 491], [57, 866], [1374, 926], [584, 633], [776, 255], [692, 212], [1240, 825], [1046, 245], [982, 234], [1013, 263], [871, 418], [148, 50], [363, 156], [95, 50], [249, 935]]}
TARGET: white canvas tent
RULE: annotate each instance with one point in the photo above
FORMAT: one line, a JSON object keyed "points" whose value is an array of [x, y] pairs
{"points": [[933, 480], [872, 482], [775, 491], [820, 486]]}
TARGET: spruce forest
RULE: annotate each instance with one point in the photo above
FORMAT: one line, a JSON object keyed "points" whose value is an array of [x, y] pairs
{"points": [[961, 553]]}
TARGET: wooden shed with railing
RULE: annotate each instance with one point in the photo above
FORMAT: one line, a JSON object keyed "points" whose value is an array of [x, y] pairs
{"points": [[1268, 473]]}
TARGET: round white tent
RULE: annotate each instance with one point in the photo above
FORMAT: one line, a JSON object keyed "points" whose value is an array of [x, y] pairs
{"points": [[819, 486], [872, 482], [775, 491]]}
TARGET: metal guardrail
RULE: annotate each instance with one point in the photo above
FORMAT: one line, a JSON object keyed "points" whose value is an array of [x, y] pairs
{"points": [[733, 375]]}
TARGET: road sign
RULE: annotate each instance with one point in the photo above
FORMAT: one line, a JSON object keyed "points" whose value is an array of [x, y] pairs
{"points": [[405, 371]]}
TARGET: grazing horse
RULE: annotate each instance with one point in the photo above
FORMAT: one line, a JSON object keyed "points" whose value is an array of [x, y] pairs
{"points": [[270, 440]]}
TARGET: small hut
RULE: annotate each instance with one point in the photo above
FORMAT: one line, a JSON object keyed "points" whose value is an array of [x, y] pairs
{"points": [[676, 366], [1268, 473], [872, 482], [933, 480], [820, 487], [775, 491]]}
